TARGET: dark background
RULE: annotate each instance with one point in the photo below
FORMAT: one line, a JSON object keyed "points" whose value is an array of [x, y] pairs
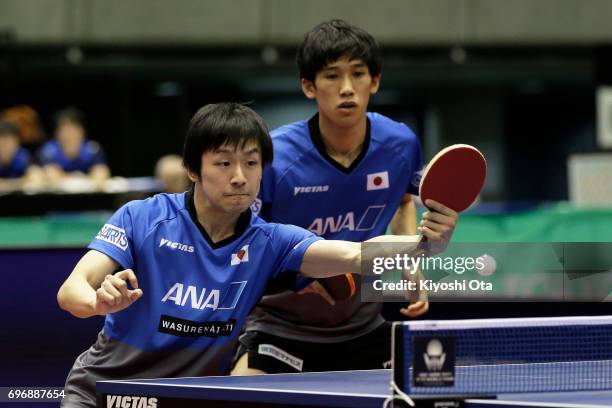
{"points": [[527, 108]]}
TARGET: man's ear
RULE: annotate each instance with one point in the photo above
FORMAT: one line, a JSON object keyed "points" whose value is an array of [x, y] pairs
{"points": [[375, 84], [192, 176], [309, 89]]}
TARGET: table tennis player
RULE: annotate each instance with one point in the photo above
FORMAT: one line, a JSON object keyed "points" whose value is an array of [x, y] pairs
{"points": [[343, 174], [176, 274]]}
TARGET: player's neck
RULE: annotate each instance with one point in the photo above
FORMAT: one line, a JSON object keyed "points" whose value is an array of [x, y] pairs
{"points": [[343, 144], [219, 225]]}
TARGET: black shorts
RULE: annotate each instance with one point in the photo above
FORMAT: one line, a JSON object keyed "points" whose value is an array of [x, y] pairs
{"points": [[273, 354]]}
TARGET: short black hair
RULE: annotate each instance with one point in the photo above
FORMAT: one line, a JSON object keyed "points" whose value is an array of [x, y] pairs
{"points": [[69, 114], [9, 129], [224, 123], [332, 40]]}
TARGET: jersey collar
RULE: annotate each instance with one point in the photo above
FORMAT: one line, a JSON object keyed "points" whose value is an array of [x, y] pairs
{"points": [[241, 225], [317, 140]]}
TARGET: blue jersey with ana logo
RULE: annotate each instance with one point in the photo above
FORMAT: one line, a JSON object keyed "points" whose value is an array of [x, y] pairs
{"points": [[196, 293], [308, 188]]}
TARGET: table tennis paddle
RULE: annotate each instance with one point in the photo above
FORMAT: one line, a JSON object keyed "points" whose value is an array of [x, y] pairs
{"points": [[454, 177]]}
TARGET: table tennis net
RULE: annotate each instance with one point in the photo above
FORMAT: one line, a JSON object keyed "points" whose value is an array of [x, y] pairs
{"points": [[506, 355]]}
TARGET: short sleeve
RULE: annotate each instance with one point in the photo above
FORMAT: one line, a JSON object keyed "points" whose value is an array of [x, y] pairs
{"points": [[46, 154], [96, 153], [116, 238], [415, 160], [292, 243]]}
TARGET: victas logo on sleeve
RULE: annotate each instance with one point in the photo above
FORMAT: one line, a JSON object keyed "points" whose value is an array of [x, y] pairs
{"points": [[241, 256], [378, 181], [113, 235]]}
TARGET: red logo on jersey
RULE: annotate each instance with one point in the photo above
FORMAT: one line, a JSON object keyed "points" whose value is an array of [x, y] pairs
{"points": [[241, 256]]}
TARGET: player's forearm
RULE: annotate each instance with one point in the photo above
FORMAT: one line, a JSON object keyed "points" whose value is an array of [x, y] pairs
{"points": [[404, 220], [77, 297], [327, 258], [416, 276], [409, 240]]}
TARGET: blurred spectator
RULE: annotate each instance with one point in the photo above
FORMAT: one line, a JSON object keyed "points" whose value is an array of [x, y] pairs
{"points": [[171, 174], [16, 169], [31, 134], [71, 159]]}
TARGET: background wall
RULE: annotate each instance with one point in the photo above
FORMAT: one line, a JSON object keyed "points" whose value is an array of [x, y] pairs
{"points": [[400, 22], [497, 74]]}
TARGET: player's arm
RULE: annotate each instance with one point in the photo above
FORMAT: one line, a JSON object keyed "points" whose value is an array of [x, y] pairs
{"points": [[404, 219], [92, 288], [327, 258], [404, 223]]}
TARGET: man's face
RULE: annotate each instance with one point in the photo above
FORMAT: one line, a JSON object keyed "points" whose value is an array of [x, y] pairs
{"points": [[342, 90], [70, 137], [8, 147], [230, 177]]}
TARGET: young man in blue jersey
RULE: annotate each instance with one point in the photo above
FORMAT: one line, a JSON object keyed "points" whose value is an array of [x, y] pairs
{"points": [[70, 155], [177, 274], [343, 174], [17, 171]]}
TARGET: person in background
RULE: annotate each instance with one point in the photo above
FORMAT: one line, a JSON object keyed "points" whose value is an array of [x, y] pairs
{"points": [[31, 132], [71, 155], [16, 169], [346, 174], [171, 174]]}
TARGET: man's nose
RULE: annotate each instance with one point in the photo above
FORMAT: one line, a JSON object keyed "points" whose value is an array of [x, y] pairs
{"points": [[346, 88], [238, 177]]}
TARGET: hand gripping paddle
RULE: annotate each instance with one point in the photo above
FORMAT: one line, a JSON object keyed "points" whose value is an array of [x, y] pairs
{"points": [[454, 177]]}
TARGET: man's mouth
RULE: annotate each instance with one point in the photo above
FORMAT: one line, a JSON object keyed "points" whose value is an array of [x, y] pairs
{"points": [[347, 105]]}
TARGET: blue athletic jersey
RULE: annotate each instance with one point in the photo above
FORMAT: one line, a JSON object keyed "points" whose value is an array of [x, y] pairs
{"points": [[18, 166], [89, 155], [196, 294], [305, 187]]}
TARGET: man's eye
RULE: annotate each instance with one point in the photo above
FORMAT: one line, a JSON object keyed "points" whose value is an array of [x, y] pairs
{"points": [[223, 164], [331, 76], [252, 163]]}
